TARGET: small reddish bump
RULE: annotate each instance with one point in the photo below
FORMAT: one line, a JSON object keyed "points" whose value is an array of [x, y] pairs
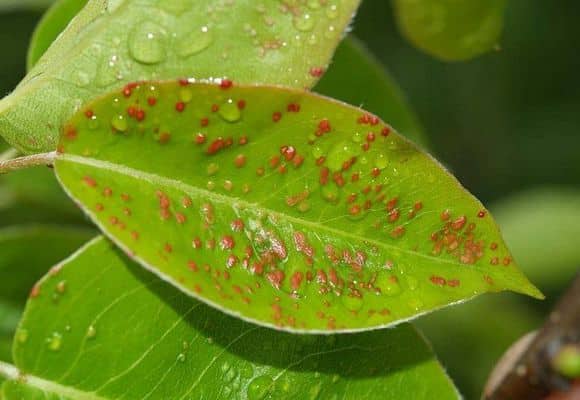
{"points": [[215, 108], [127, 211], [164, 137], [197, 289], [298, 160], [241, 104], [132, 111], [107, 192], [418, 206], [507, 261], [70, 133], [317, 72], [192, 265], [453, 282], [227, 243], [240, 160], [321, 277], [445, 215], [392, 204], [493, 246], [370, 137], [394, 215], [183, 82], [438, 280], [140, 116], [168, 248], [99, 207], [135, 235], [375, 172], [386, 131], [226, 84], [481, 214], [355, 209], [494, 261], [293, 107], [488, 279], [365, 147], [289, 152], [276, 278], [35, 291], [243, 140], [180, 218], [151, 101], [196, 243], [296, 280], [231, 261], [114, 220], [398, 232], [215, 146], [323, 127], [90, 182], [320, 161], [89, 114], [200, 138], [355, 177], [204, 122], [277, 116], [180, 106], [459, 223]]}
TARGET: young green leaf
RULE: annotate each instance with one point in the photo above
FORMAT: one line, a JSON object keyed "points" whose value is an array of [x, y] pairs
{"points": [[353, 68], [451, 30], [110, 41], [151, 342], [280, 206], [53, 22]]}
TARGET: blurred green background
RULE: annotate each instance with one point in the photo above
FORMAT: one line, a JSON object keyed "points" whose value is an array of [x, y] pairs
{"points": [[507, 124]]}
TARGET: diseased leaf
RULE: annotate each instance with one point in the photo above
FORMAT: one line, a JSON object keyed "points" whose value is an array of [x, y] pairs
{"points": [[26, 254], [451, 30], [115, 41], [151, 342], [281, 207], [358, 78], [539, 225], [53, 22]]}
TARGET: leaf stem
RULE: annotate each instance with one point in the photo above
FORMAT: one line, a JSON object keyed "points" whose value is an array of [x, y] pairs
{"points": [[26, 162], [9, 371]]}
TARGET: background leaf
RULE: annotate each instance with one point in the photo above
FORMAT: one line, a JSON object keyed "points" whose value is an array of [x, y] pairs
{"points": [[53, 22], [110, 42], [12, 5], [26, 254], [358, 78], [103, 318], [281, 206], [451, 30]]}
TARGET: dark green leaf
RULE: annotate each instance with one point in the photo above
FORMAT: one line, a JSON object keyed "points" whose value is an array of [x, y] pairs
{"points": [[451, 30], [151, 342], [358, 78], [12, 5], [50, 26], [112, 42], [280, 206]]}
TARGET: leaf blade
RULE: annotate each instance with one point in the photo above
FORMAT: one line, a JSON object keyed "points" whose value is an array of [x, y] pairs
{"points": [[110, 43], [248, 361], [266, 227]]}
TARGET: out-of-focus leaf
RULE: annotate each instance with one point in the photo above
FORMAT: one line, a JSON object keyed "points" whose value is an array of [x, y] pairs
{"points": [[151, 342], [26, 254], [358, 78], [54, 21], [13, 5], [451, 30], [280, 206], [471, 338], [110, 41], [542, 227]]}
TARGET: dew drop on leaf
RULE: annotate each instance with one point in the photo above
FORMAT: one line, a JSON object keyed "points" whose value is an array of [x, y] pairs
{"points": [[54, 341], [304, 22], [230, 111], [91, 332], [22, 336], [147, 43], [194, 42], [260, 387]]}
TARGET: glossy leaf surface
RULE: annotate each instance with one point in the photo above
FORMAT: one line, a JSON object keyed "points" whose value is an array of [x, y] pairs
{"points": [[358, 78], [151, 342], [26, 254], [110, 42], [451, 30], [280, 206], [53, 22]]}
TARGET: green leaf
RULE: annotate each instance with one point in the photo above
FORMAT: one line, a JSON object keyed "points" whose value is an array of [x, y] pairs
{"points": [[281, 207], [112, 42], [539, 225], [26, 254], [451, 30], [357, 77], [14, 5], [53, 22], [151, 342]]}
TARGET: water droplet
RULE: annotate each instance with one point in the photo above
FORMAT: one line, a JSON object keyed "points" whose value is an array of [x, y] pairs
{"points": [[260, 387], [22, 336], [352, 303], [389, 284], [195, 42], [304, 22], [119, 123], [335, 378], [332, 11], [412, 282], [416, 304], [230, 111], [91, 332], [54, 341], [181, 357], [341, 153], [314, 4], [381, 161], [147, 43], [61, 287]]}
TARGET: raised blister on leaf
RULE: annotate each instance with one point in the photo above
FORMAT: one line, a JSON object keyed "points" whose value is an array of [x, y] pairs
{"points": [[280, 206], [110, 43], [451, 30]]}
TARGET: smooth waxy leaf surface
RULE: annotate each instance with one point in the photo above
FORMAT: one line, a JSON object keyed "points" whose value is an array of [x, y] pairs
{"points": [[358, 78], [152, 342], [451, 30], [26, 254], [280, 206], [53, 22], [109, 42]]}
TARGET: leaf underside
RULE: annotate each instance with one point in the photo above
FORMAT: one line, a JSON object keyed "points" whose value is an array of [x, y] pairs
{"points": [[280, 206], [451, 30], [110, 42], [118, 331]]}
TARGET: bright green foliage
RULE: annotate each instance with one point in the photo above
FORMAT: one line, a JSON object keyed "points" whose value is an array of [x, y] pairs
{"points": [[53, 22], [150, 342], [451, 30], [113, 41], [358, 78], [280, 206], [26, 254], [539, 226]]}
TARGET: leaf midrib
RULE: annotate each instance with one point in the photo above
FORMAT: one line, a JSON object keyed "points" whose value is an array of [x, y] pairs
{"points": [[168, 182]]}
